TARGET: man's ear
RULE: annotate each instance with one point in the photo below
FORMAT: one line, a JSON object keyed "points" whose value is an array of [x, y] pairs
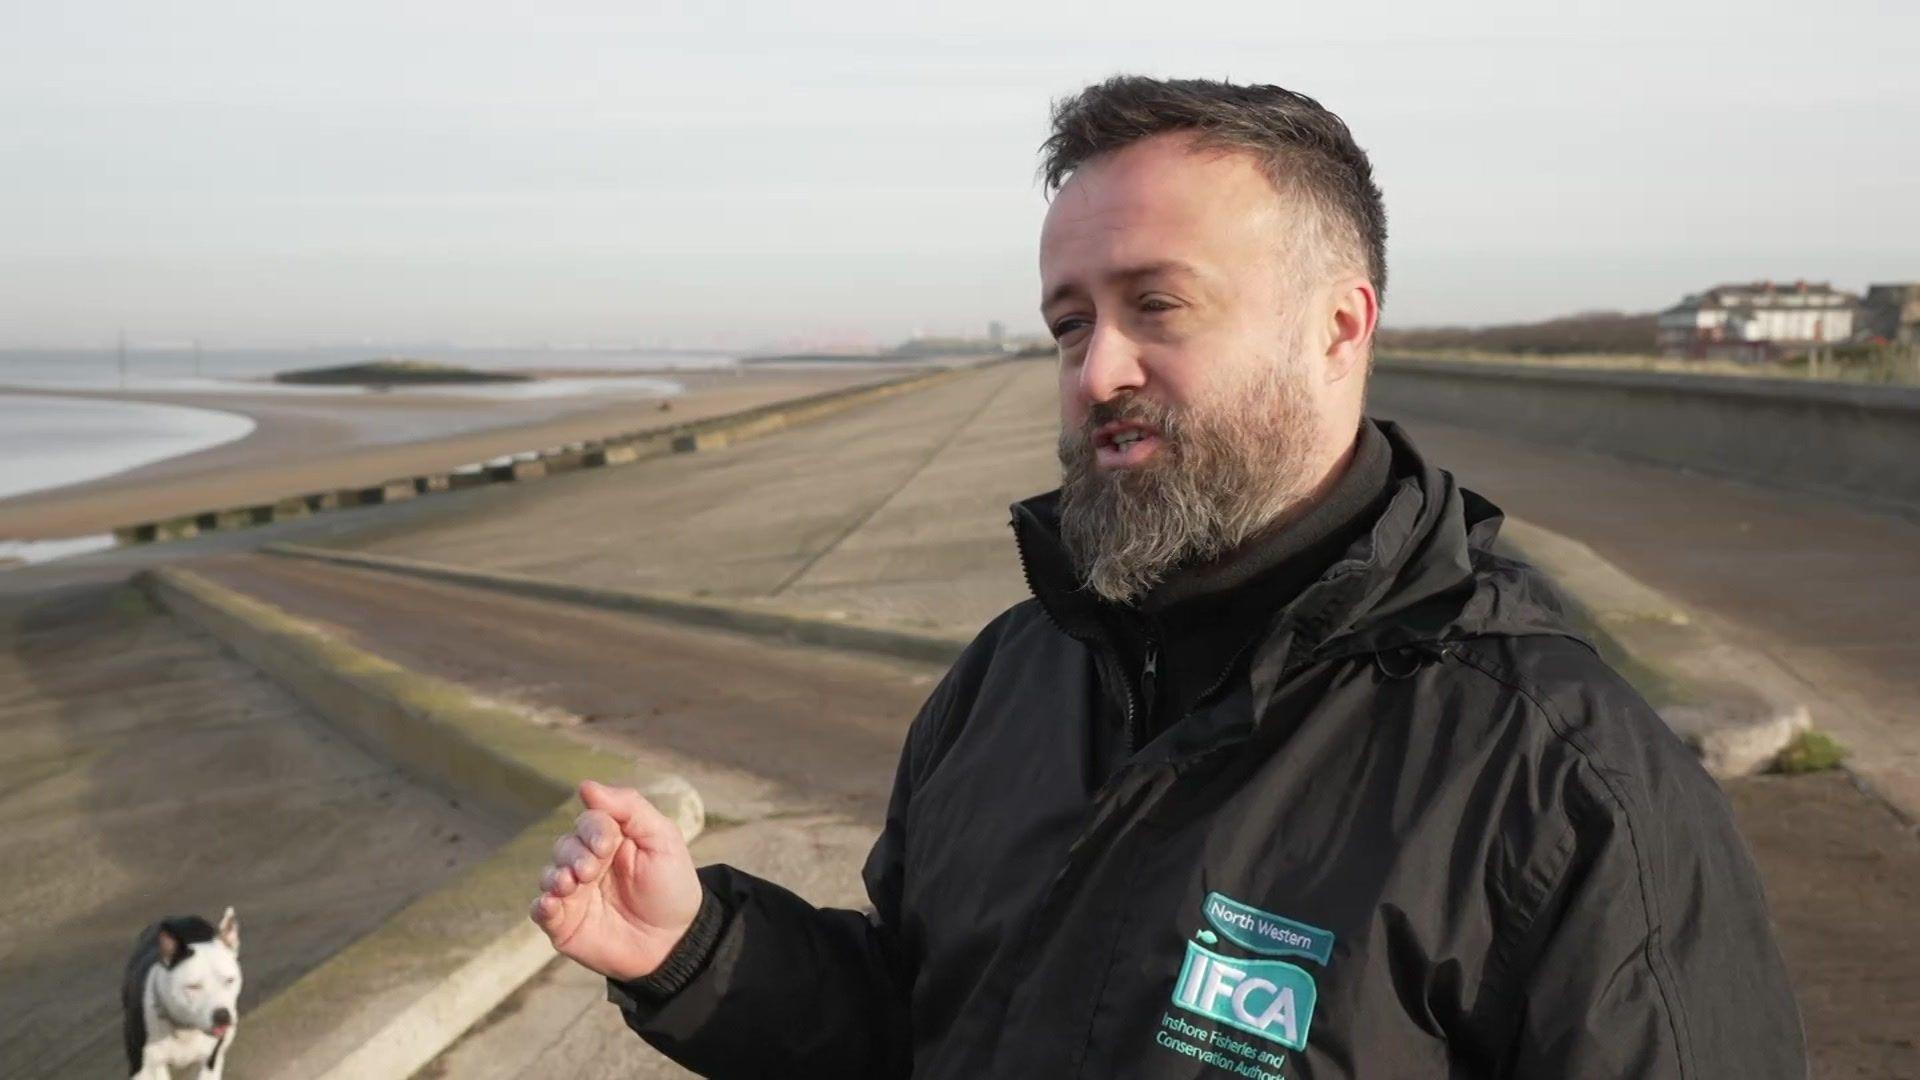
{"points": [[169, 948], [230, 931], [1352, 316]]}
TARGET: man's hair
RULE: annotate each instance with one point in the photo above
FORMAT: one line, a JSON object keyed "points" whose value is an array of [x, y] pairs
{"points": [[1305, 150]]}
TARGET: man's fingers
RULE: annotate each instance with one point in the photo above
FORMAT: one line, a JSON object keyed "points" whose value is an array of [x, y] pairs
{"points": [[558, 881], [545, 912], [569, 852], [620, 803], [635, 816], [597, 830]]}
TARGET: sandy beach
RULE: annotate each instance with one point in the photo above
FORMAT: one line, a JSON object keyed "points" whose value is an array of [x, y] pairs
{"points": [[318, 441]]}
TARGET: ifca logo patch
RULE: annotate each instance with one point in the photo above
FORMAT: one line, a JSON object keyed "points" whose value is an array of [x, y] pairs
{"points": [[1257, 995], [1270, 998]]}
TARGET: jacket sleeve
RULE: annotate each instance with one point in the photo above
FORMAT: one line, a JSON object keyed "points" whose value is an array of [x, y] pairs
{"points": [[1650, 953], [786, 988]]}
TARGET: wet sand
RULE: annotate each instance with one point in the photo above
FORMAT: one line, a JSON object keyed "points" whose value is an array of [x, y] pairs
{"points": [[316, 442]]}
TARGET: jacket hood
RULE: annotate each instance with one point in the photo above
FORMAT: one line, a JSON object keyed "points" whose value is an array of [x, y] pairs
{"points": [[1423, 575]]}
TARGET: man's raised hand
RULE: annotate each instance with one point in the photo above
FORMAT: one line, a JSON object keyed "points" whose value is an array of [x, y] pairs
{"points": [[621, 890]]}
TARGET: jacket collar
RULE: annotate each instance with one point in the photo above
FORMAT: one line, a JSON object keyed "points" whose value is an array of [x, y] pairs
{"points": [[1422, 575]]}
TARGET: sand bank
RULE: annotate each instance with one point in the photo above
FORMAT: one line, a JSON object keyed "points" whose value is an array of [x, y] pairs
{"points": [[316, 441]]}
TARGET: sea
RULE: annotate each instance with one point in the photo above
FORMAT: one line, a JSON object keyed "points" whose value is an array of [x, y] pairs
{"points": [[178, 368], [49, 441]]}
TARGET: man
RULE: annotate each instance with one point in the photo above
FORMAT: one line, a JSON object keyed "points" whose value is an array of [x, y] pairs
{"points": [[1281, 772]]}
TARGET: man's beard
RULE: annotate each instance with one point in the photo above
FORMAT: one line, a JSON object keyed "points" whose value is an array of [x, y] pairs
{"points": [[1225, 469]]}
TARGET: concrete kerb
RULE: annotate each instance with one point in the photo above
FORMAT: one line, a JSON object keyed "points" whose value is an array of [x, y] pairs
{"points": [[619, 449], [387, 1004], [1736, 707]]}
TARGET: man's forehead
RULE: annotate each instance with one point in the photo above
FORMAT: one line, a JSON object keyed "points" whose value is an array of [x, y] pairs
{"points": [[1157, 202], [1136, 238], [1113, 196]]}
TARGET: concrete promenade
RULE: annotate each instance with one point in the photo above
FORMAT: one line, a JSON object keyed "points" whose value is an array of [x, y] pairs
{"points": [[897, 514]]}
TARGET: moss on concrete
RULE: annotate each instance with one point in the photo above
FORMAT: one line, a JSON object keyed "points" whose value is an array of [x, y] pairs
{"points": [[130, 602], [1810, 751]]}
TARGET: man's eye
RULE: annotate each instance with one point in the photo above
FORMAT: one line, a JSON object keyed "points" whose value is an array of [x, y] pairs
{"points": [[1066, 326], [1154, 303]]}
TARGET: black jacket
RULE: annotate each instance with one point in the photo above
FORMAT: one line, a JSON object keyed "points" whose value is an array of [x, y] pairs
{"points": [[1420, 830]]}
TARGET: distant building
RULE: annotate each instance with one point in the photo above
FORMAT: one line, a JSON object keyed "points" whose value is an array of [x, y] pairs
{"points": [[1756, 322], [1891, 313]]}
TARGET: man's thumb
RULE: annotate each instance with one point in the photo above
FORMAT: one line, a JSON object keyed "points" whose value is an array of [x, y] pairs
{"points": [[623, 804]]}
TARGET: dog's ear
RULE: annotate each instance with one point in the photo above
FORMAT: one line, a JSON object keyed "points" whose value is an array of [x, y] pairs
{"points": [[230, 931], [169, 948]]}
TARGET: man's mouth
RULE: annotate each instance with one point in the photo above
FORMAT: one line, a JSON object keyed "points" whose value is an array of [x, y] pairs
{"points": [[1124, 444]]}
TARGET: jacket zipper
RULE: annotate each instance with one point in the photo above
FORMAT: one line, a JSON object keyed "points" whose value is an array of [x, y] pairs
{"points": [[1101, 654], [1149, 679]]}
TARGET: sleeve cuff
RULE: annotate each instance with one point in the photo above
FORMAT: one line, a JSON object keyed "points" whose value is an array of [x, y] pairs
{"points": [[686, 961]]}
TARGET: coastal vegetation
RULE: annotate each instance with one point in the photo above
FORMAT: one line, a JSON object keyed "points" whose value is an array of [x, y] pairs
{"points": [[1588, 333], [1618, 341]]}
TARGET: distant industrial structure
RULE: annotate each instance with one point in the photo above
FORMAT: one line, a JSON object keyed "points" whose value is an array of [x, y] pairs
{"points": [[1768, 320]]}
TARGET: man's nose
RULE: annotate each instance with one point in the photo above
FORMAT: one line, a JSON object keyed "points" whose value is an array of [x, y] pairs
{"points": [[1111, 365]]}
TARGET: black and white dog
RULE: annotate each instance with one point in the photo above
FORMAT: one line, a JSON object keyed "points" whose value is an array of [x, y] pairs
{"points": [[181, 997]]}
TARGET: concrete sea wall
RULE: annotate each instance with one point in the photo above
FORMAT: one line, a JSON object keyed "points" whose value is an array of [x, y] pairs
{"points": [[1857, 442]]}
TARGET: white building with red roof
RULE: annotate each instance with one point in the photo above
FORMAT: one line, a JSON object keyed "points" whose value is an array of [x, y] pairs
{"points": [[1759, 321]]}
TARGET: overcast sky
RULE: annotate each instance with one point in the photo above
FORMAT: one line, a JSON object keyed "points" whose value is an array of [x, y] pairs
{"points": [[732, 174]]}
